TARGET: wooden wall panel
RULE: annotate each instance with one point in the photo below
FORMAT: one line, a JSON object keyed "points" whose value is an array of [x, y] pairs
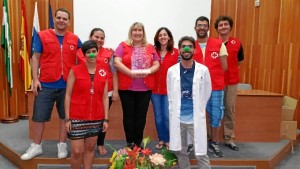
{"points": [[269, 34], [270, 37]]}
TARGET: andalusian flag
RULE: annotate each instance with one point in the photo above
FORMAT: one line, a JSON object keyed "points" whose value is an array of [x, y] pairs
{"points": [[6, 44], [25, 60]]}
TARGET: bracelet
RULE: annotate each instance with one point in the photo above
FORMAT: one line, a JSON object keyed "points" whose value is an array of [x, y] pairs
{"points": [[67, 120], [106, 120]]}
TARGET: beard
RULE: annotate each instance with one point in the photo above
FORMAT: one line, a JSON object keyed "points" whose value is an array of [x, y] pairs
{"points": [[201, 36], [186, 55]]}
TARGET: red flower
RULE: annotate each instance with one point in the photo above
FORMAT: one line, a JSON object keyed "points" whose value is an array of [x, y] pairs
{"points": [[129, 164], [146, 151], [134, 152]]}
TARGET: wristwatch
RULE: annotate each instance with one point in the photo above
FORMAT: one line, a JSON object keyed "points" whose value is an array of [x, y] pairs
{"points": [[106, 120]]}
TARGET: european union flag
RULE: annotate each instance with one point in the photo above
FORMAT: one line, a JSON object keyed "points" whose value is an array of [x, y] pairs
{"points": [[51, 24]]}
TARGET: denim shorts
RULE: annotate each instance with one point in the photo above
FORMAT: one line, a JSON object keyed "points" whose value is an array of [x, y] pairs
{"points": [[44, 102], [215, 108]]}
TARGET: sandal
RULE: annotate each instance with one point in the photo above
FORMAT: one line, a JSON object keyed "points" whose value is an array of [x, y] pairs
{"points": [[102, 150], [160, 145], [167, 146]]}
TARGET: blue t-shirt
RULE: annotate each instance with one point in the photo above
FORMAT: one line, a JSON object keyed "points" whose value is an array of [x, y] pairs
{"points": [[186, 83], [38, 48]]}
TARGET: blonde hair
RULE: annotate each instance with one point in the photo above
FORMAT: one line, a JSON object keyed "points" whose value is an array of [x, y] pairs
{"points": [[129, 41]]}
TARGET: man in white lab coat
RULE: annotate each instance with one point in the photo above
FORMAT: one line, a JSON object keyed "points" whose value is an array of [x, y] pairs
{"points": [[189, 88]]}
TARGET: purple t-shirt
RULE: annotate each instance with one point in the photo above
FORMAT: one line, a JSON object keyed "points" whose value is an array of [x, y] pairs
{"points": [[138, 61]]}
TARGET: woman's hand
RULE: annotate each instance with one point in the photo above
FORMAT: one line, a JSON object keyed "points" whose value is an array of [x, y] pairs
{"points": [[115, 95], [105, 126], [140, 73], [68, 126]]}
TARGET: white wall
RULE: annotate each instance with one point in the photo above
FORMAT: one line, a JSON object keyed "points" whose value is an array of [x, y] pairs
{"points": [[116, 16]]}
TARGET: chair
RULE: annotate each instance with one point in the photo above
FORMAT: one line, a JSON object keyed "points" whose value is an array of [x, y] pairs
{"points": [[244, 86]]}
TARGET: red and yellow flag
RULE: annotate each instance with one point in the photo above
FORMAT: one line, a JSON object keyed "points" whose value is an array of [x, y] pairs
{"points": [[25, 59]]}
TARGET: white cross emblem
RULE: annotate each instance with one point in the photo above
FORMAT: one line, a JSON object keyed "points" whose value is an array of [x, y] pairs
{"points": [[214, 55], [102, 72]]}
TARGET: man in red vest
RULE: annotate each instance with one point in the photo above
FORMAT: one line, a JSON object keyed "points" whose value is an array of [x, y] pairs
{"points": [[223, 25], [54, 55], [213, 54]]}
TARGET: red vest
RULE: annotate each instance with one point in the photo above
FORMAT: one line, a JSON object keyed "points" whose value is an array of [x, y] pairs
{"points": [[232, 73], [103, 58], [160, 77], [124, 80], [55, 60], [84, 105], [212, 61]]}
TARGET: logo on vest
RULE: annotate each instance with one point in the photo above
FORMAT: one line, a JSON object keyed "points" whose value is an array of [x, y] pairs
{"points": [[214, 55], [71, 47], [102, 72], [233, 41], [106, 60]]}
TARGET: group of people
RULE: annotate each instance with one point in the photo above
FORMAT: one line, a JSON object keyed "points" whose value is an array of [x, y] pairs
{"points": [[83, 79]]}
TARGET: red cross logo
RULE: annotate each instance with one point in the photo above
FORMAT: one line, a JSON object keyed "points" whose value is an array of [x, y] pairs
{"points": [[102, 72], [233, 41], [214, 55]]}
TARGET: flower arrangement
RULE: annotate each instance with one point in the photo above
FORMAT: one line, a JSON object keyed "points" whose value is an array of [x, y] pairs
{"points": [[138, 158]]}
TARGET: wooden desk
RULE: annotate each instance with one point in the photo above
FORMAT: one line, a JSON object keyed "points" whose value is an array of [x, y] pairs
{"points": [[258, 117]]}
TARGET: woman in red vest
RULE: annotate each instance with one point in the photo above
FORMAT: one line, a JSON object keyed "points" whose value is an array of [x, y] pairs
{"points": [[104, 60], [164, 45], [86, 106], [136, 61]]}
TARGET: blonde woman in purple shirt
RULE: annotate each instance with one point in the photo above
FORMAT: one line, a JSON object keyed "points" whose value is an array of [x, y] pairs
{"points": [[136, 61]]}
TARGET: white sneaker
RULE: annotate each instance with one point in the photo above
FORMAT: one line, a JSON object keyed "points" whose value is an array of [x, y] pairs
{"points": [[62, 150], [33, 150]]}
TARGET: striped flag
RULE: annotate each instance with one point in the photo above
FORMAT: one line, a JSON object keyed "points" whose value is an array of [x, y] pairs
{"points": [[51, 24], [6, 44], [35, 28], [25, 60]]}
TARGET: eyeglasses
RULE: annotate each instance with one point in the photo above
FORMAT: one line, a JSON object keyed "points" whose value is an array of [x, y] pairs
{"points": [[202, 26]]}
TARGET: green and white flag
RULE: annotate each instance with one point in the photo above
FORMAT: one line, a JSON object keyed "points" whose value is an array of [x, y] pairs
{"points": [[6, 44]]}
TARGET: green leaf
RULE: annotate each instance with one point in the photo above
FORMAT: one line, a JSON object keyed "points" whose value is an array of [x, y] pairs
{"points": [[120, 163], [145, 141], [169, 156]]}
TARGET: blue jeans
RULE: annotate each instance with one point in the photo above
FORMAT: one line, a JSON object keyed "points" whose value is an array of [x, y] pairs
{"points": [[215, 108], [161, 114]]}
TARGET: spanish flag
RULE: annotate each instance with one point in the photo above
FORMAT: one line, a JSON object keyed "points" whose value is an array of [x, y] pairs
{"points": [[25, 59]]}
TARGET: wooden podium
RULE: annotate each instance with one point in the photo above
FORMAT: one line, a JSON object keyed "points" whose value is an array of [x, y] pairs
{"points": [[258, 117]]}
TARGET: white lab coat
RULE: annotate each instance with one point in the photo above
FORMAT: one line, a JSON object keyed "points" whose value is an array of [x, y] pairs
{"points": [[201, 93]]}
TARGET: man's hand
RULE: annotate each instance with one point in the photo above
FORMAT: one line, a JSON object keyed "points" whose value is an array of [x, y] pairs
{"points": [[36, 85]]}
